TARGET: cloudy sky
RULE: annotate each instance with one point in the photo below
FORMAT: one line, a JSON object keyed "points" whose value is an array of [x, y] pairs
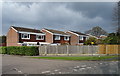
{"points": [[77, 16]]}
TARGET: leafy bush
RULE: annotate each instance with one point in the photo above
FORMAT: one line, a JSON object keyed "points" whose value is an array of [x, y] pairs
{"points": [[3, 50], [91, 39], [20, 50]]}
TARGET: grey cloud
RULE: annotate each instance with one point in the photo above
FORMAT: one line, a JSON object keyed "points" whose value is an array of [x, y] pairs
{"points": [[61, 16], [93, 9]]}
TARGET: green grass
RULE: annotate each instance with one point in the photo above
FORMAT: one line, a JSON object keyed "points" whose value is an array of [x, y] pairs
{"points": [[77, 58]]}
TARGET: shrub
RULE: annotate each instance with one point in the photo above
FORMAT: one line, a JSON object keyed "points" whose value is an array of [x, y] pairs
{"points": [[3, 50], [20, 50], [32, 51]]}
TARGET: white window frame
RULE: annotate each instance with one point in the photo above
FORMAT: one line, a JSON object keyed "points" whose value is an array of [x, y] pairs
{"points": [[58, 37], [80, 37], [24, 34], [66, 37], [42, 37]]}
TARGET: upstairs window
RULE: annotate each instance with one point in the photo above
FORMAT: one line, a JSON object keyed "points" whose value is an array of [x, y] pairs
{"points": [[66, 38], [39, 37], [25, 36], [57, 37], [81, 37]]}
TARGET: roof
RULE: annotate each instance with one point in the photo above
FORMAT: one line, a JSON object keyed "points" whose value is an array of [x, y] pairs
{"points": [[26, 29], [57, 32], [79, 33]]}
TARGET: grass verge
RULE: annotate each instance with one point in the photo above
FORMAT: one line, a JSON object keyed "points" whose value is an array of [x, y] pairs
{"points": [[78, 58]]}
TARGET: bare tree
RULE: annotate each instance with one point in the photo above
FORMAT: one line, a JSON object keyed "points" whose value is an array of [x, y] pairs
{"points": [[116, 17]]}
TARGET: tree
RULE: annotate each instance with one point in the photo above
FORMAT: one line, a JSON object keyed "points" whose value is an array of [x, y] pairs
{"points": [[116, 17], [96, 31], [112, 38]]}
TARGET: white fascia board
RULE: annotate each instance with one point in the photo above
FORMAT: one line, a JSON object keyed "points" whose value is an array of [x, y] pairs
{"points": [[19, 43], [73, 33], [44, 43], [30, 42], [36, 42], [83, 35], [14, 29], [48, 31], [60, 34], [31, 33]]}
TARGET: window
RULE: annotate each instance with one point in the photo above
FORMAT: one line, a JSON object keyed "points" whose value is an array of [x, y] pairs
{"points": [[66, 38], [39, 37], [25, 36], [57, 37], [81, 37]]}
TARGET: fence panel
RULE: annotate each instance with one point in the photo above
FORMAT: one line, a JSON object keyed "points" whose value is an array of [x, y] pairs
{"points": [[67, 49], [42, 50], [102, 49], [73, 49], [51, 49], [62, 49], [109, 49]]}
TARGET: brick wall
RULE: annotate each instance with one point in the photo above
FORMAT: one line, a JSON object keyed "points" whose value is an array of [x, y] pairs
{"points": [[12, 38], [74, 39], [48, 36]]}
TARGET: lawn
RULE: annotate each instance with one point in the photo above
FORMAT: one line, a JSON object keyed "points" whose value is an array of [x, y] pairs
{"points": [[78, 58]]}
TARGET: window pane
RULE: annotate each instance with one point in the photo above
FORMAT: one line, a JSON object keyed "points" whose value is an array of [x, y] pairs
{"points": [[23, 35], [57, 37], [40, 37], [81, 38], [66, 38]]}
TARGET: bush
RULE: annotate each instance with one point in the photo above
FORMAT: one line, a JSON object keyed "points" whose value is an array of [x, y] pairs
{"points": [[91, 39], [3, 50], [20, 50]]}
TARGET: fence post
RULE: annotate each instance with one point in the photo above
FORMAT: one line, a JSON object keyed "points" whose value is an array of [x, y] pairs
{"points": [[39, 50], [56, 50], [88, 50], [106, 49], [45, 50], [67, 50], [78, 49], [92, 50]]}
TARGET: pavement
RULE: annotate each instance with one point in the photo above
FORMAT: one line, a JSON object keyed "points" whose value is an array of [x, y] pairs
{"points": [[25, 65]]}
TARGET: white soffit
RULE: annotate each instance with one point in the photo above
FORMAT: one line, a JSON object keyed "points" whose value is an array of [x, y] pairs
{"points": [[32, 33]]}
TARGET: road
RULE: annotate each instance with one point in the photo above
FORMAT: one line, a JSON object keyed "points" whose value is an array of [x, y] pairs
{"points": [[25, 65]]}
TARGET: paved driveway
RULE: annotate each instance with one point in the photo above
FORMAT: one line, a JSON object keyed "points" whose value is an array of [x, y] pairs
{"points": [[25, 65]]}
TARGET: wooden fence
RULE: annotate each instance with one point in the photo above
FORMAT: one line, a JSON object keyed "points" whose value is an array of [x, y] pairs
{"points": [[109, 49], [68, 50]]}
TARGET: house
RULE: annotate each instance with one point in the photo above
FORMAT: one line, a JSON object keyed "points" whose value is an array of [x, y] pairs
{"points": [[56, 37], [3, 40], [2, 44], [102, 37], [77, 38], [19, 36], [93, 36]]}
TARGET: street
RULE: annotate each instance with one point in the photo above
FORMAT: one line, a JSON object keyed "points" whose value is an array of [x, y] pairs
{"points": [[26, 65]]}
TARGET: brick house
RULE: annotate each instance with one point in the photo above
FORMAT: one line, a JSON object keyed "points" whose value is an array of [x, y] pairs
{"points": [[56, 37], [19, 36], [77, 38]]}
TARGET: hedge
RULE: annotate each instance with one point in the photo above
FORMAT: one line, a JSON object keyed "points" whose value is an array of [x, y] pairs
{"points": [[3, 50], [20, 50]]}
